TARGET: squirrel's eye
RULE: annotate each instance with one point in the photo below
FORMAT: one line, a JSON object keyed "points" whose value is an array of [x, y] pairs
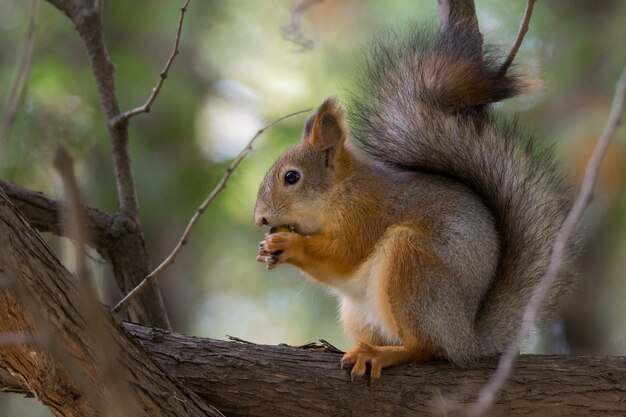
{"points": [[292, 177]]}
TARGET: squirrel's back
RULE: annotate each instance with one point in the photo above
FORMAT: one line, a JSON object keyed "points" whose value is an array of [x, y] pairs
{"points": [[423, 105]]}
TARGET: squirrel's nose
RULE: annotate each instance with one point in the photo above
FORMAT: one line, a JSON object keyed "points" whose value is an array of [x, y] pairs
{"points": [[260, 220], [260, 209]]}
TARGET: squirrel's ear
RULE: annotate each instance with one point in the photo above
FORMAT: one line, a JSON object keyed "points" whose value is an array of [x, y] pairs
{"points": [[326, 129]]}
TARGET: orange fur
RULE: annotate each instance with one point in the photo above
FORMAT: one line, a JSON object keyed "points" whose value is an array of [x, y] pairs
{"points": [[396, 272]]}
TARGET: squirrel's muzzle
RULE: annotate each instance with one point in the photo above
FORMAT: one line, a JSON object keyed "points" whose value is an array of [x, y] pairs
{"points": [[260, 221], [259, 214]]}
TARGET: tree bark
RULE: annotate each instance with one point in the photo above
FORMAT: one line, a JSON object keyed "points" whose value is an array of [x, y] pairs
{"points": [[115, 237], [248, 380], [254, 380], [44, 300]]}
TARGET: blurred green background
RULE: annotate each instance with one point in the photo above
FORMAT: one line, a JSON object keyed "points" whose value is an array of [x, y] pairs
{"points": [[236, 73]]}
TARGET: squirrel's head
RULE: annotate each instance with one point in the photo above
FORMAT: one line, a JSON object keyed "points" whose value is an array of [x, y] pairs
{"points": [[294, 191]]}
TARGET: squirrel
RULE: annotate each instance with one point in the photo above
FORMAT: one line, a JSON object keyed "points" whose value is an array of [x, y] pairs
{"points": [[432, 219]]}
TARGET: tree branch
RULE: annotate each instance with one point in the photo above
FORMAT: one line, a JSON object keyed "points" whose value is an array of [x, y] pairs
{"points": [[518, 39], [89, 26], [505, 366], [114, 237], [132, 263], [145, 108], [44, 214], [52, 289], [194, 219], [88, 22], [99, 340], [253, 380], [51, 355]]}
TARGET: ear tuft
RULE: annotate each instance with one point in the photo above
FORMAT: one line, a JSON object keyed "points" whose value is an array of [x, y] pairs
{"points": [[326, 129]]}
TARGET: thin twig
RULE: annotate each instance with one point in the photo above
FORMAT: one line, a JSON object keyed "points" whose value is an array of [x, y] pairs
{"points": [[145, 108], [518, 40], [12, 102], [489, 391], [74, 222], [292, 31], [194, 219], [104, 349], [239, 340]]}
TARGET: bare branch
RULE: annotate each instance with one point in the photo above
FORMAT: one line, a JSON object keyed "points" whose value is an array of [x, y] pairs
{"points": [[194, 219], [461, 13], [489, 391], [44, 214], [148, 308], [88, 22], [64, 164], [113, 236], [292, 31], [14, 98], [518, 40], [89, 25], [145, 108], [102, 345]]}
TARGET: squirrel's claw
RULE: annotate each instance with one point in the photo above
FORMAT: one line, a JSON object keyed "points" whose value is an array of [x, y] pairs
{"points": [[269, 260], [273, 250], [359, 356]]}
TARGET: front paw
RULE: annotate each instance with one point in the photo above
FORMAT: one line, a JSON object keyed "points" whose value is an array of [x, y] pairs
{"points": [[264, 256], [278, 248]]}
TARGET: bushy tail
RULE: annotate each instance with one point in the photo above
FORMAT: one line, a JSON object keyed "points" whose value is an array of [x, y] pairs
{"points": [[422, 105]]}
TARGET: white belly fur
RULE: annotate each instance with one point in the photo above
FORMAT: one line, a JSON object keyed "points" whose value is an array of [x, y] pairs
{"points": [[360, 298]]}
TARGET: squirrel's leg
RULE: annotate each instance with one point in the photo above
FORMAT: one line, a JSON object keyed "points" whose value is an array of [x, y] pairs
{"points": [[380, 357], [405, 271]]}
